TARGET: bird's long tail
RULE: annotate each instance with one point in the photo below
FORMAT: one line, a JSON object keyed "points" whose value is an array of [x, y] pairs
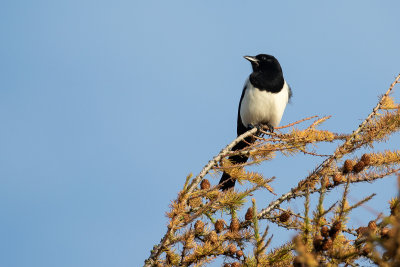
{"points": [[227, 181]]}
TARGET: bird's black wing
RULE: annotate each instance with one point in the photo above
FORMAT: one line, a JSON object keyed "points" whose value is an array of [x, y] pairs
{"points": [[226, 181], [241, 129]]}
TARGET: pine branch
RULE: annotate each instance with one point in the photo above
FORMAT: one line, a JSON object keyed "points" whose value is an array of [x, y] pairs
{"points": [[187, 243]]}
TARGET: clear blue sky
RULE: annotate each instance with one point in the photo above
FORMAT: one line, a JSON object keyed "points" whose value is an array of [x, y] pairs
{"points": [[106, 106]]}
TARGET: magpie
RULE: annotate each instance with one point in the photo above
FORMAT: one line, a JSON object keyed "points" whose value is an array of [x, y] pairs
{"points": [[262, 103]]}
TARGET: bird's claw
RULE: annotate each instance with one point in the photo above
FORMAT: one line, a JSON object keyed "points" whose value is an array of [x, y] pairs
{"points": [[260, 127], [270, 128]]}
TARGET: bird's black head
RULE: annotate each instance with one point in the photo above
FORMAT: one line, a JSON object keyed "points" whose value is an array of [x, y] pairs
{"points": [[264, 63], [267, 73]]}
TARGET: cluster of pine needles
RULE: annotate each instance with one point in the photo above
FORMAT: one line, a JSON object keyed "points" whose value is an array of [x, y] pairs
{"points": [[206, 223]]}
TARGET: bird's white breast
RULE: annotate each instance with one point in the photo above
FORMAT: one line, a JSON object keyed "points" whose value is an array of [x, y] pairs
{"points": [[261, 107]]}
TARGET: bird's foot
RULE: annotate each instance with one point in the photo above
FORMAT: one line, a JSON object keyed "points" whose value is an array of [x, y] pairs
{"points": [[270, 127], [260, 127]]}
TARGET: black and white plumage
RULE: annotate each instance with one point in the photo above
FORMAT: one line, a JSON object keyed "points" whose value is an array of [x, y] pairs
{"points": [[263, 101]]}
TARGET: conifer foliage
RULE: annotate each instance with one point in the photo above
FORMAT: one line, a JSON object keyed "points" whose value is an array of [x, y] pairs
{"points": [[205, 223]]}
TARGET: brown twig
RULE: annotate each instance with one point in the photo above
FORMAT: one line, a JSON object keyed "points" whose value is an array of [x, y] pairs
{"points": [[296, 122]]}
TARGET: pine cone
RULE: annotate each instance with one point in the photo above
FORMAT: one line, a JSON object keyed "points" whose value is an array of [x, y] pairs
{"points": [[284, 216], [239, 253], [199, 227], [348, 166], [317, 242], [205, 184], [219, 225], [235, 264], [334, 231], [212, 237], [327, 244], [366, 158], [249, 214], [337, 226], [325, 231], [359, 166], [337, 178], [232, 248]]}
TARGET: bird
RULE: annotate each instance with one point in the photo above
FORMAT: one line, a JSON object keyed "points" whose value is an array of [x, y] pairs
{"points": [[263, 101]]}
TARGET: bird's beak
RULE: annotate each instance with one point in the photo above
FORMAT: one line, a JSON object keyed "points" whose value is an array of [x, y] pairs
{"points": [[252, 59]]}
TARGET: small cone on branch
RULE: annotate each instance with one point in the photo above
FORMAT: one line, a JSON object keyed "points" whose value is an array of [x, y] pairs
{"points": [[359, 166], [235, 225], [317, 242], [335, 229], [325, 231], [249, 214], [219, 225], [337, 226], [337, 178], [212, 237], [284, 217], [327, 244], [205, 184], [239, 253], [232, 249], [235, 264], [366, 159], [348, 166], [198, 227]]}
